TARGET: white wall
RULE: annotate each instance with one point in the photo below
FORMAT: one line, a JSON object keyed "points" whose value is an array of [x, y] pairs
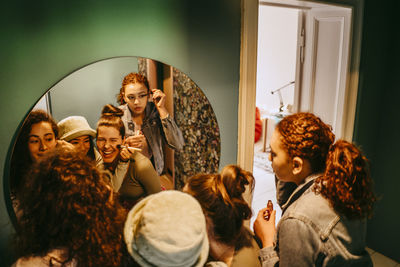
{"points": [[276, 59], [85, 91], [42, 104]]}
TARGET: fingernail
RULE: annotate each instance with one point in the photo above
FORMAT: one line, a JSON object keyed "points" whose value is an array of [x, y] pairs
{"points": [[270, 206], [267, 215]]}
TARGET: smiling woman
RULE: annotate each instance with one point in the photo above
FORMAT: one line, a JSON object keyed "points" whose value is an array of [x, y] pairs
{"points": [[139, 178], [37, 137], [76, 130], [41, 139]]}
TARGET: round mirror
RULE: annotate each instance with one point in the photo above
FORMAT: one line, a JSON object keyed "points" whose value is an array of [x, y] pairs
{"points": [[85, 91]]}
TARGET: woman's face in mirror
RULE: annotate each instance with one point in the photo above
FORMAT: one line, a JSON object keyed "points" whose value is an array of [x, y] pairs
{"points": [[136, 96], [81, 143], [41, 140], [108, 139]]}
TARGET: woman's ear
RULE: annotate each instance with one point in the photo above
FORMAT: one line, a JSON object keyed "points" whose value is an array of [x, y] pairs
{"points": [[297, 165]]}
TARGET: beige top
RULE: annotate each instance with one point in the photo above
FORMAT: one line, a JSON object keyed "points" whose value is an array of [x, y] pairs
{"points": [[247, 256], [141, 179]]}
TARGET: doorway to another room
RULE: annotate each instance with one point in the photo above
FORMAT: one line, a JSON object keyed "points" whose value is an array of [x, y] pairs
{"points": [[302, 65], [275, 89]]}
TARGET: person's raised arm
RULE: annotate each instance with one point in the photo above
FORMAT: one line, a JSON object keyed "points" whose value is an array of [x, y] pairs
{"points": [[172, 133]]}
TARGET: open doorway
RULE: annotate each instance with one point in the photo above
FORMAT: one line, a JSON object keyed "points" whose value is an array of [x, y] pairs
{"points": [[275, 89], [302, 65]]}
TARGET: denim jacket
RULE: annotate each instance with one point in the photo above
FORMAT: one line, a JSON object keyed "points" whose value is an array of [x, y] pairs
{"points": [[155, 130], [311, 233]]}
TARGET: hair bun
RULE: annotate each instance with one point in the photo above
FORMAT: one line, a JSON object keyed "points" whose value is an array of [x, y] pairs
{"points": [[235, 180], [110, 110]]}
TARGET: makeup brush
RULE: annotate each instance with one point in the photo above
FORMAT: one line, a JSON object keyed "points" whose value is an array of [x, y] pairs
{"points": [[129, 147]]}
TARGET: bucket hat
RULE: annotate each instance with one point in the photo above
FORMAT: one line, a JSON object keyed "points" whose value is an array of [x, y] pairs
{"points": [[167, 229], [73, 127]]}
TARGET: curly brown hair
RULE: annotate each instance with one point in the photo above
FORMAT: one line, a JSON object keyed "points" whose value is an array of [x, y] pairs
{"points": [[306, 136], [68, 204], [346, 182], [132, 77], [221, 197], [21, 159]]}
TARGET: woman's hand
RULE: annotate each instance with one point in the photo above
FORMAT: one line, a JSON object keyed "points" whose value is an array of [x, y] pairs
{"points": [[126, 153], [265, 229], [159, 101], [138, 141]]}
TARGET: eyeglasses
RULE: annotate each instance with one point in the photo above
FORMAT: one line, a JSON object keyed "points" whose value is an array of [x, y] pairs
{"points": [[140, 97]]}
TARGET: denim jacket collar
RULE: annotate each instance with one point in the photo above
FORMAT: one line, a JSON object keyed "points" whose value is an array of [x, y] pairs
{"points": [[300, 190], [150, 113]]}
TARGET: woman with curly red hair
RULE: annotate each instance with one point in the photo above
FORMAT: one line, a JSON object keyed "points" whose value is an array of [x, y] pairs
{"points": [[221, 198], [324, 220], [148, 125], [70, 215]]}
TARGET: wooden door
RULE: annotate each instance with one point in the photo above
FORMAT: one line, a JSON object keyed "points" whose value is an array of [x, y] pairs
{"points": [[324, 79]]}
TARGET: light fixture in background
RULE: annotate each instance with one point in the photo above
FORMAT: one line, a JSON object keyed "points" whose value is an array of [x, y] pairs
{"points": [[282, 107]]}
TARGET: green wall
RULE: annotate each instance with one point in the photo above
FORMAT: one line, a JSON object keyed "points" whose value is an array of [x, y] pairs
{"points": [[43, 41], [377, 128]]}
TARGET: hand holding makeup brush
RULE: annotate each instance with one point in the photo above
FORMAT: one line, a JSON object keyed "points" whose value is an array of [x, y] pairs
{"points": [[138, 141], [264, 225]]}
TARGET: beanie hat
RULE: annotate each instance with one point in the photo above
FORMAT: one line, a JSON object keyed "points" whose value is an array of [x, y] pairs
{"points": [[73, 127], [167, 229]]}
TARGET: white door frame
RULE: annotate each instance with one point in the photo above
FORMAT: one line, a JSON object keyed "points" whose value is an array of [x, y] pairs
{"points": [[248, 73]]}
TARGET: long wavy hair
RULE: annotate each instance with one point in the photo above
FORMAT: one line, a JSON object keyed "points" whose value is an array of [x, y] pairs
{"points": [[221, 197], [68, 204], [346, 182], [306, 136], [21, 159], [132, 77]]}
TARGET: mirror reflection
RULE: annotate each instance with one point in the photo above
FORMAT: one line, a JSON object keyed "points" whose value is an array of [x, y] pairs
{"points": [[165, 117]]}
